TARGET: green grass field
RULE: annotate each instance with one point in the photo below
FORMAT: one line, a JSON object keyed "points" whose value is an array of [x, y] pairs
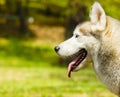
{"points": [[33, 71]]}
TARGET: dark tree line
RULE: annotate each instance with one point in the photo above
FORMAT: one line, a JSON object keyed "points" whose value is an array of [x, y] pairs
{"points": [[76, 16], [15, 14], [19, 10]]}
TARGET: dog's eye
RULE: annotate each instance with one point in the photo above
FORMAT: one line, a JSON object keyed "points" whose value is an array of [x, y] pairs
{"points": [[76, 36]]}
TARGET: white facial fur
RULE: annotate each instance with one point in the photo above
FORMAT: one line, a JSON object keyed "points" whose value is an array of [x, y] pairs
{"points": [[77, 42], [72, 45]]}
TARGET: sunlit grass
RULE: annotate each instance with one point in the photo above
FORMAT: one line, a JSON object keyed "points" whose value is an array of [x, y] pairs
{"points": [[49, 82]]}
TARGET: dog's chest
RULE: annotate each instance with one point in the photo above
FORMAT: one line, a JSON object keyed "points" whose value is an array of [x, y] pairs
{"points": [[108, 70]]}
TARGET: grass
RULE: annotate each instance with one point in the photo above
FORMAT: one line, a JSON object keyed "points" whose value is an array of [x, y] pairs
{"points": [[32, 71], [49, 82]]}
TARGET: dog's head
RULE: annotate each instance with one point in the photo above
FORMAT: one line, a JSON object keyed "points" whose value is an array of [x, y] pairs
{"points": [[85, 42]]}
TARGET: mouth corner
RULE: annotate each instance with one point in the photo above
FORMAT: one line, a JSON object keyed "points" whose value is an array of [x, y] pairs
{"points": [[79, 57]]}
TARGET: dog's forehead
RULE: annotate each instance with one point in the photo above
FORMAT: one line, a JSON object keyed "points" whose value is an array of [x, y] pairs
{"points": [[83, 28]]}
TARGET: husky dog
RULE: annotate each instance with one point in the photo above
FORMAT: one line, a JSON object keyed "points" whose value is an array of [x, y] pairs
{"points": [[97, 40]]}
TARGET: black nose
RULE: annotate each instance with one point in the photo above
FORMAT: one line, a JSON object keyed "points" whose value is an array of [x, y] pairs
{"points": [[57, 48]]}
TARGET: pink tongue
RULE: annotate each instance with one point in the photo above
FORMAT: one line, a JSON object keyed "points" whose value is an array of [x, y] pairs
{"points": [[71, 64]]}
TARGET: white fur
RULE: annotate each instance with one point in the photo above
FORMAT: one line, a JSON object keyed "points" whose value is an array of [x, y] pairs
{"points": [[100, 37]]}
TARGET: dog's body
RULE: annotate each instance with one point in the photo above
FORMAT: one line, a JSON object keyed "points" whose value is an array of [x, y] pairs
{"points": [[100, 38]]}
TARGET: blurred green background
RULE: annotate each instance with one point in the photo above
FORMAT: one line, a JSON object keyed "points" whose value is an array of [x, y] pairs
{"points": [[29, 30]]}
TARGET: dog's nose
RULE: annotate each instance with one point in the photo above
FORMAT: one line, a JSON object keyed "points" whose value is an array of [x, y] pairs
{"points": [[57, 48]]}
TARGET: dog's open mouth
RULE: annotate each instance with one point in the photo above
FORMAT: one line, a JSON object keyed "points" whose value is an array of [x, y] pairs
{"points": [[80, 56]]}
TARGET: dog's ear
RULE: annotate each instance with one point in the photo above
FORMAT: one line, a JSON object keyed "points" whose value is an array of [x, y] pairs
{"points": [[97, 17]]}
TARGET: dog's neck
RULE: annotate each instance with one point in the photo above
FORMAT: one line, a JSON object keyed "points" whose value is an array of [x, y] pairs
{"points": [[107, 66]]}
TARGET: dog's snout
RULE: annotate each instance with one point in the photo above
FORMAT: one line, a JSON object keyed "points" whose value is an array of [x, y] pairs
{"points": [[57, 48]]}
